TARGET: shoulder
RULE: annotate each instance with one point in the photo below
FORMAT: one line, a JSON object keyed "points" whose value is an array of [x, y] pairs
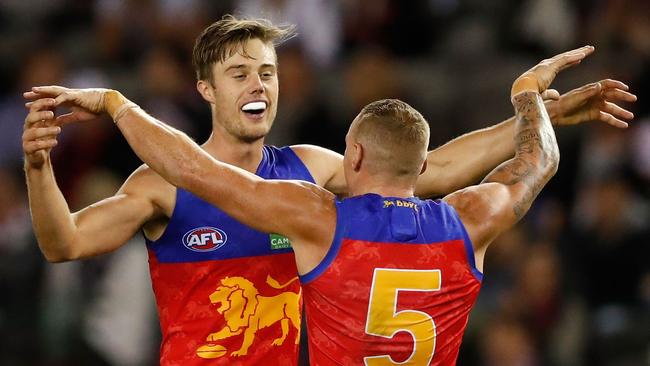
{"points": [[309, 153], [482, 210], [322, 163], [144, 176], [145, 183], [479, 198]]}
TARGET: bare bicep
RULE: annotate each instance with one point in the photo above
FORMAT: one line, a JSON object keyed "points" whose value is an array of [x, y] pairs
{"points": [[108, 224]]}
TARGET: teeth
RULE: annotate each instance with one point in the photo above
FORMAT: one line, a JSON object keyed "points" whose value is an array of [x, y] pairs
{"points": [[253, 106]]}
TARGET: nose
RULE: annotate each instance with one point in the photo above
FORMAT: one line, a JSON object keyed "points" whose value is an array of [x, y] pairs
{"points": [[257, 86]]}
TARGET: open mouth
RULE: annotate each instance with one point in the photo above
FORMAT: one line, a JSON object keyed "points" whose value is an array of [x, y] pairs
{"points": [[254, 108]]}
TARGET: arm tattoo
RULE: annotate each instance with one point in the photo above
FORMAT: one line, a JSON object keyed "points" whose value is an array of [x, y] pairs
{"points": [[537, 155]]}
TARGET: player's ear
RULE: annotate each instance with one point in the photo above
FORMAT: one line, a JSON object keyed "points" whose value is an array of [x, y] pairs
{"points": [[357, 156], [206, 90], [424, 167]]}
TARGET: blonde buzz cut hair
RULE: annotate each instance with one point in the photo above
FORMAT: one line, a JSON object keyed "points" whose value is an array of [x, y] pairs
{"points": [[222, 39], [395, 137]]}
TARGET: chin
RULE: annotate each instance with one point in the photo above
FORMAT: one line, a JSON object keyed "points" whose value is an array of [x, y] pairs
{"points": [[251, 139], [252, 136], [257, 131]]}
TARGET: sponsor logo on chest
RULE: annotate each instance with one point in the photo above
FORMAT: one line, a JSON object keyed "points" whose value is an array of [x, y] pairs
{"points": [[204, 239], [279, 242]]}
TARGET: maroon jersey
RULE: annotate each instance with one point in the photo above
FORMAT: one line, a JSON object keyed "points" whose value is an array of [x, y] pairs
{"points": [[227, 294], [396, 287]]}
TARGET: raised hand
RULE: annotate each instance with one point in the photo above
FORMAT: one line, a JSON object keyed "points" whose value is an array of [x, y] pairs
{"points": [[592, 102], [40, 131], [84, 104], [540, 77]]}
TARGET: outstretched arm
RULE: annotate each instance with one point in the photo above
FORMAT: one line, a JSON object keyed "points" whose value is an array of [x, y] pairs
{"points": [[464, 160], [302, 211], [468, 158], [508, 191], [287, 207]]}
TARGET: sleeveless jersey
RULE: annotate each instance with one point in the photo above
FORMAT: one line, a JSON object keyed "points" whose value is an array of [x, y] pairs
{"points": [[396, 287], [227, 294]]}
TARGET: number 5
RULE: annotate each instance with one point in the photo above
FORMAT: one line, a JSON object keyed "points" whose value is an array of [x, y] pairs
{"points": [[384, 321]]}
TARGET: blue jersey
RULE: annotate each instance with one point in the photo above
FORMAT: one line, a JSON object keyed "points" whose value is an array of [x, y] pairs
{"points": [[227, 294]]}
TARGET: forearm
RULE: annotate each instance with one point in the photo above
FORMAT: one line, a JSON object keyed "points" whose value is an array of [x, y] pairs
{"points": [[536, 152], [51, 218], [167, 151], [535, 140], [466, 159], [270, 206], [181, 162]]}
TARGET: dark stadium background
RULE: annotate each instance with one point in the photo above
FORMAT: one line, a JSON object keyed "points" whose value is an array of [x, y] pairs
{"points": [[570, 285]]}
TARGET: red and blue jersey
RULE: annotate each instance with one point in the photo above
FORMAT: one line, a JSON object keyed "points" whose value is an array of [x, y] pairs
{"points": [[396, 287], [227, 294]]}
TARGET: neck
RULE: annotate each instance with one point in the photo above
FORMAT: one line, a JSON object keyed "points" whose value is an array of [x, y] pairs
{"points": [[382, 186], [230, 150]]}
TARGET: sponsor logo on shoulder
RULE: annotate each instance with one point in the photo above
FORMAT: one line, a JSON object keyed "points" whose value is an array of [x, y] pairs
{"points": [[279, 241], [204, 239], [400, 203]]}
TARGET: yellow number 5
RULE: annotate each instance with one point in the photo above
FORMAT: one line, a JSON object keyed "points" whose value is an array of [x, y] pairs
{"points": [[385, 321]]}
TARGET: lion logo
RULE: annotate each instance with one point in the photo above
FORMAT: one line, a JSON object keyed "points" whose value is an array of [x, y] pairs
{"points": [[245, 310]]}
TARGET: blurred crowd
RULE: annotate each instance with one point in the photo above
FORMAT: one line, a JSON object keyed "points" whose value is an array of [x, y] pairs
{"points": [[570, 285]]}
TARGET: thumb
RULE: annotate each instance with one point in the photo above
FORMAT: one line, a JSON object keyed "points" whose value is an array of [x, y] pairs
{"points": [[550, 94], [63, 98], [590, 90], [580, 96]]}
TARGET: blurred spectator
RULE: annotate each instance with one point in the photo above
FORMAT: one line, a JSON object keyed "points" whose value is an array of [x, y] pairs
{"points": [[404, 28], [641, 150], [125, 28], [535, 19], [507, 343], [303, 114], [609, 244], [369, 74], [166, 89], [318, 22], [21, 268], [40, 67]]}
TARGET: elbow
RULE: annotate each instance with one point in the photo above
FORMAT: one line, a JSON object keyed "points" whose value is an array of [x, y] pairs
{"points": [[554, 162], [57, 257], [57, 253], [547, 166], [547, 159]]}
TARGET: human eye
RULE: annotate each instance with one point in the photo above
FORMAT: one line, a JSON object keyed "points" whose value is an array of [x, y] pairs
{"points": [[267, 75]]}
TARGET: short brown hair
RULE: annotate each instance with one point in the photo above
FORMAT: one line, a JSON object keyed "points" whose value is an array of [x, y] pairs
{"points": [[396, 137], [219, 41]]}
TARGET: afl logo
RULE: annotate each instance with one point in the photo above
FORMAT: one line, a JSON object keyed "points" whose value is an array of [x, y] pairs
{"points": [[204, 239]]}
